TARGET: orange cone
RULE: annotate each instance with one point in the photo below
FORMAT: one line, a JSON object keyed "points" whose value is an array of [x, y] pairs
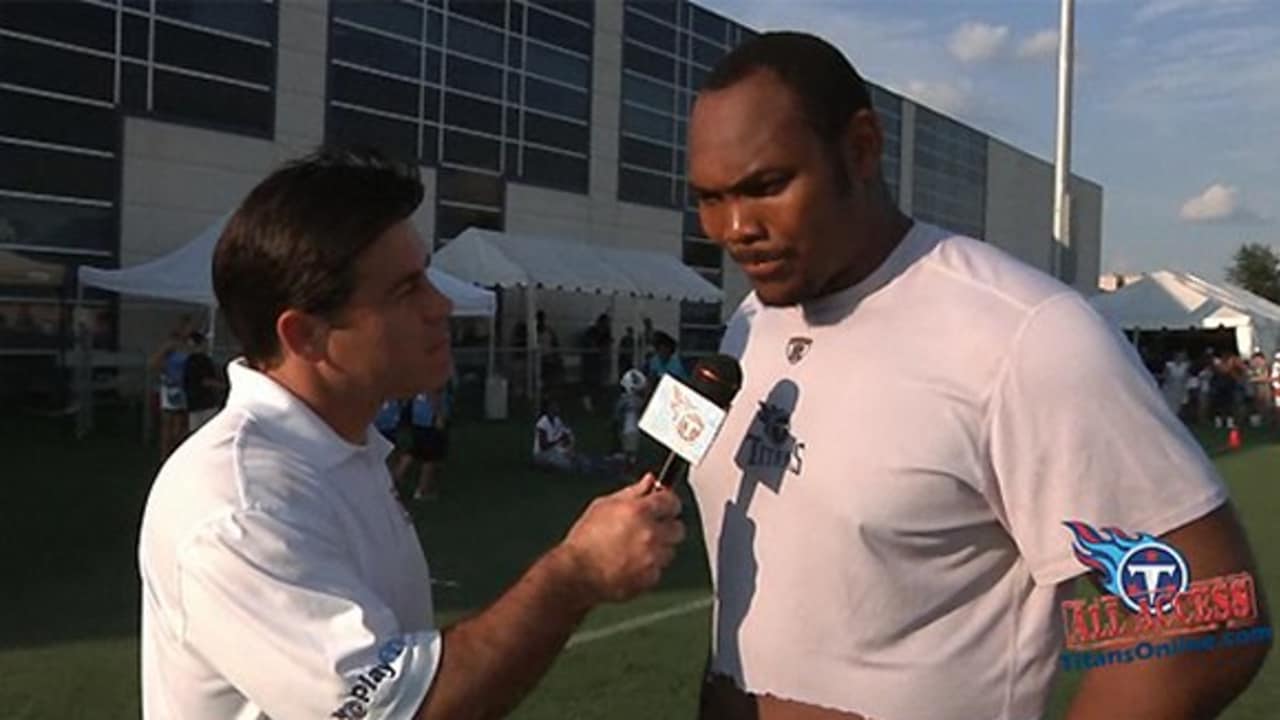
{"points": [[1233, 438]]}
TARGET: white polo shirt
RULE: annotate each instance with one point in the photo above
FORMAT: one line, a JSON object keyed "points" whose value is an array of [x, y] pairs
{"points": [[883, 508], [280, 576]]}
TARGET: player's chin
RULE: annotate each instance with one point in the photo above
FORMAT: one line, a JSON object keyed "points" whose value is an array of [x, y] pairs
{"points": [[779, 293]]}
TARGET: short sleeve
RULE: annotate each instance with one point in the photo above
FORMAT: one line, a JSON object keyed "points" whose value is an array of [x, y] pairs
{"points": [[1078, 430], [279, 612]]}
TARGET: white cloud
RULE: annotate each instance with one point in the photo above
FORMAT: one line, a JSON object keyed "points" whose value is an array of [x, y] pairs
{"points": [[1040, 46], [950, 98], [977, 42], [1219, 203], [1156, 9]]}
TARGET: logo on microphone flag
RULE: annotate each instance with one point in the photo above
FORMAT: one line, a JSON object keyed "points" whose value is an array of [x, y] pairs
{"points": [[681, 419]]}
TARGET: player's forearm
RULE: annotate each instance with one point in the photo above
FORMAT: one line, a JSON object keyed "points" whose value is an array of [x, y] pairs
{"points": [[491, 661], [1192, 686]]}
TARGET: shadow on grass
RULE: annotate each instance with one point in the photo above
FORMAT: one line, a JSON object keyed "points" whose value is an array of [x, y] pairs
{"points": [[69, 522]]}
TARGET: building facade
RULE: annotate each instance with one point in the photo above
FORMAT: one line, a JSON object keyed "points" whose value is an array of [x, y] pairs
{"points": [[127, 126]]}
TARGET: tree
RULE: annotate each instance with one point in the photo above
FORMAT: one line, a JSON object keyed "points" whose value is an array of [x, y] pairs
{"points": [[1256, 268]]}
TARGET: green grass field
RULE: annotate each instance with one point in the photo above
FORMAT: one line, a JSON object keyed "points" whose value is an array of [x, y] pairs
{"points": [[69, 609]]}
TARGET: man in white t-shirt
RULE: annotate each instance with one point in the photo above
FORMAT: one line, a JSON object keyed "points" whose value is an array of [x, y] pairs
{"points": [[883, 508], [280, 577]]}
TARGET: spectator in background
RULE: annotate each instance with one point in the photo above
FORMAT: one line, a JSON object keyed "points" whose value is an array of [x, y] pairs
{"points": [[627, 350], [170, 361], [554, 442], [428, 420], [665, 361], [1258, 396], [549, 351], [1174, 382], [202, 382]]}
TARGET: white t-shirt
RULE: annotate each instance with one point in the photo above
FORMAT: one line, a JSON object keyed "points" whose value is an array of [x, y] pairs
{"points": [[555, 430], [280, 576], [883, 508]]}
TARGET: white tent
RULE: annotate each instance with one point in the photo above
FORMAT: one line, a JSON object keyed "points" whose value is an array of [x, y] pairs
{"points": [[186, 275], [1167, 300], [529, 262], [18, 270], [508, 260]]}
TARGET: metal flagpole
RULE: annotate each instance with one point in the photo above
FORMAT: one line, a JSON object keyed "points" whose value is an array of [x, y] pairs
{"points": [[1062, 157]]}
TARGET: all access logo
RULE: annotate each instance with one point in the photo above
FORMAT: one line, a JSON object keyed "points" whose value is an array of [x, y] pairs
{"points": [[688, 422], [1145, 573]]}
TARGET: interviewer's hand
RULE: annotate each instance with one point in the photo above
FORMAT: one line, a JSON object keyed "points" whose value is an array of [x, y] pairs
{"points": [[623, 541]]}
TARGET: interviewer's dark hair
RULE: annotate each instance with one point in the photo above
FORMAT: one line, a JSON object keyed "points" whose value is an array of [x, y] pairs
{"points": [[294, 241]]}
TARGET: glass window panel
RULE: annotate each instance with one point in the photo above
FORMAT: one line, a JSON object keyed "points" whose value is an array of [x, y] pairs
{"points": [[430, 143], [555, 170], [665, 9], [646, 154], [363, 48], [451, 220], [706, 53], [702, 313], [515, 16], [643, 187], [196, 50], [472, 150], [474, 39], [558, 66], [213, 103], [648, 124], [254, 19], [513, 122], [374, 91], [397, 138], [57, 121], [76, 23], [493, 12], [647, 92], [462, 111], [648, 62], [44, 222], [37, 170], [699, 340], [134, 40], [133, 87], [513, 88], [558, 31], [431, 62], [50, 68], [554, 98], [511, 160], [697, 76], [387, 15], [557, 133], [702, 254], [649, 32], [709, 25], [584, 10], [475, 77], [470, 187], [435, 28], [430, 103], [515, 53]]}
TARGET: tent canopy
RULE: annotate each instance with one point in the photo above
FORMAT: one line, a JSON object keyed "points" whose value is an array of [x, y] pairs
{"points": [[1167, 300], [186, 275], [507, 260], [16, 270]]}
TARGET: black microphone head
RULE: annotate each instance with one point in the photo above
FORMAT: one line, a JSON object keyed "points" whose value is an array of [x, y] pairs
{"points": [[718, 378]]}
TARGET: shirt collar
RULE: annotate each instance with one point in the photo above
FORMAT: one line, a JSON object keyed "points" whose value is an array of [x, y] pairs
{"points": [[291, 422]]}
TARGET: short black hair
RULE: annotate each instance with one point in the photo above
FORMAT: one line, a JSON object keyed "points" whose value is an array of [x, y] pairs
{"points": [[294, 241], [830, 90]]}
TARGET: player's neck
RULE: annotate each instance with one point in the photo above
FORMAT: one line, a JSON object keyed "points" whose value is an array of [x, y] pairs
{"points": [[886, 233]]}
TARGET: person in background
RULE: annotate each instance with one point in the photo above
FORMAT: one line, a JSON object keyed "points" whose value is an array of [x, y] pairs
{"points": [[429, 422], [665, 361], [203, 384], [626, 415], [170, 361], [554, 442], [1258, 397], [1174, 382], [627, 350]]}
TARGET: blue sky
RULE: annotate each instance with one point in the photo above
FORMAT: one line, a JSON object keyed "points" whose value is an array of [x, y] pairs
{"points": [[1177, 109]]}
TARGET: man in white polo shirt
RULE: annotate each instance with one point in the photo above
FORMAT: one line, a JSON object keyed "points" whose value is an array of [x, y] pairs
{"points": [[920, 413], [281, 578]]}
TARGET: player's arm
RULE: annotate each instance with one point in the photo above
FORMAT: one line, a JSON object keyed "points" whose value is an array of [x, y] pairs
{"points": [[617, 549], [1191, 685]]}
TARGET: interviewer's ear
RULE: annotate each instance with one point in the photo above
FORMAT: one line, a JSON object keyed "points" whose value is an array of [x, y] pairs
{"points": [[302, 334]]}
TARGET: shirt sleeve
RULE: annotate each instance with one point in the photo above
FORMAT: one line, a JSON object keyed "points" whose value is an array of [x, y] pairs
{"points": [[1078, 430], [279, 612]]}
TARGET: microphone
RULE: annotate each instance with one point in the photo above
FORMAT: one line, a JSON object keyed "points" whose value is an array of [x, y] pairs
{"points": [[686, 418]]}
